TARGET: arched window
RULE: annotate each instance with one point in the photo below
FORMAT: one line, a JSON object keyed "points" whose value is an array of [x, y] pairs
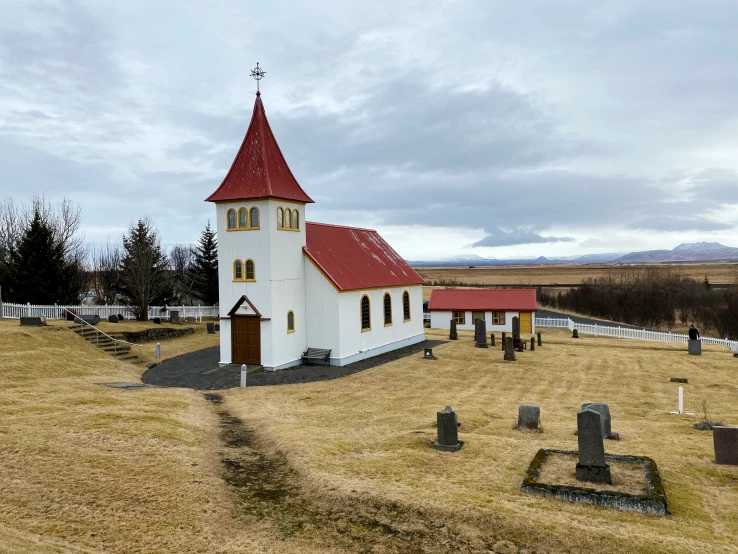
{"points": [[366, 320], [387, 309], [250, 270], [237, 270], [287, 219], [243, 218], [295, 219], [280, 218], [231, 219], [254, 218], [406, 306], [290, 322]]}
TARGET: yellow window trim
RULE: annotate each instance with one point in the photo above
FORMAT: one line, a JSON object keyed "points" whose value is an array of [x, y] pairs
{"points": [[288, 322], [228, 219], [233, 267], [361, 315], [384, 314], [238, 226], [292, 219], [404, 292], [245, 272]]}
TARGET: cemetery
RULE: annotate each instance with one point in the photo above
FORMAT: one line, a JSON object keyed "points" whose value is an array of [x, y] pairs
{"points": [[571, 447]]}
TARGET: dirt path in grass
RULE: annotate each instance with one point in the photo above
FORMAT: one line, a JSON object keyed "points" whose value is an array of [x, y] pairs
{"points": [[265, 486]]}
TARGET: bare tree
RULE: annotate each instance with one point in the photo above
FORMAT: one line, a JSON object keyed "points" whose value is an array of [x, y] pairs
{"points": [[65, 220], [181, 258], [12, 227], [105, 272]]}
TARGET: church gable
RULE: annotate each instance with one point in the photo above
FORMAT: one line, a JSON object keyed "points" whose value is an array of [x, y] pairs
{"points": [[354, 259], [244, 307]]}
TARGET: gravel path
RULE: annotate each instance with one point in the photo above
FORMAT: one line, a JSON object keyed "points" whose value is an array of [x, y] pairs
{"points": [[200, 370]]}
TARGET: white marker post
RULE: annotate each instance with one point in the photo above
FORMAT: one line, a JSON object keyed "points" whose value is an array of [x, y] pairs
{"points": [[158, 351], [244, 367], [681, 404]]}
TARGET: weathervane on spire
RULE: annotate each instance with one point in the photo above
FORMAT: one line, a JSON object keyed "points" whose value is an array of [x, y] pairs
{"points": [[258, 74]]}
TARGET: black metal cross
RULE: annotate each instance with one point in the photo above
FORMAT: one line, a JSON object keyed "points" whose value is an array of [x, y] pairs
{"points": [[258, 74]]}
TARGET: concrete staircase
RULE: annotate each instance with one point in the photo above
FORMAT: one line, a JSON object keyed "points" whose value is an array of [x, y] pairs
{"points": [[116, 348]]}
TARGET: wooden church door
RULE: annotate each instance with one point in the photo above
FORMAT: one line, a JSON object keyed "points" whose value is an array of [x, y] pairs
{"points": [[245, 340]]}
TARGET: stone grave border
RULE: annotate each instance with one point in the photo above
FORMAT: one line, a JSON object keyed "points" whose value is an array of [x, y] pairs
{"points": [[653, 502]]}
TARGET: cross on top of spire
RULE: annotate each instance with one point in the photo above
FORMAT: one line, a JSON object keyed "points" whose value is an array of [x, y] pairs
{"points": [[258, 74]]}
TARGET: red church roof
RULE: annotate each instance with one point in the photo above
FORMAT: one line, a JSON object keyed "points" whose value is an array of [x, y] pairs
{"points": [[484, 300], [259, 170], [355, 258]]}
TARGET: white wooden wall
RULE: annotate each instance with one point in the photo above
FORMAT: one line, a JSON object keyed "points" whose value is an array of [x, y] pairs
{"points": [[441, 319]]}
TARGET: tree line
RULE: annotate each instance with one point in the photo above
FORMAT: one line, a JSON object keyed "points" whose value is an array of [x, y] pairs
{"points": [[652, 297], [44, 260]]}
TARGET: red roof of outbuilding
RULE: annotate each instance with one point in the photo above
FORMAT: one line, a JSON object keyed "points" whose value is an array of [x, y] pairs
{"points": [[355, 258], [259, 170], [519, 300]]}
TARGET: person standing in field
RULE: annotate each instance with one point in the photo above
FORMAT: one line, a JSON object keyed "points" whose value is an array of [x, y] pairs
{"points": [[694, 334]]}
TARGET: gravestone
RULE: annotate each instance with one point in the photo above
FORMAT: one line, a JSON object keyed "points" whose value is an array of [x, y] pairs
{"points": [[174, 317], [591, 466], [528, 416], [120, 317], [539, 338], [33, 321], [516, 327], [679, 380], [725, 440], [428, 354], [575, 334], [452, 334], [503, 339], [604, 411], [481, 327], [509, 350], [113, 319], [492, 339], [157, 320], [217, 327], [91, 319], [532, 343], [448, 431], [694, 347], [211, 328]]}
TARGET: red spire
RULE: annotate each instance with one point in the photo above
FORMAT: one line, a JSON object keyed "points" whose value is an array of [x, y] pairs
{"points": [[259, 170]]}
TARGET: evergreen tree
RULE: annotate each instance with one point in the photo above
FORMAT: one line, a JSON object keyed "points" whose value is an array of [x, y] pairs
{"points": [[205, 268], [144, 272], [38, 271]]}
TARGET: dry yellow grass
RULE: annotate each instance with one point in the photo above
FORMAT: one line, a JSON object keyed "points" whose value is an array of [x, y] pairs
{"points": [[93, 469], [370, 433], [87, 468]]}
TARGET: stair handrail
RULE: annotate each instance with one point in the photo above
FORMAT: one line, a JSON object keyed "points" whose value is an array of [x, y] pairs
{"points": [[76, 317]]}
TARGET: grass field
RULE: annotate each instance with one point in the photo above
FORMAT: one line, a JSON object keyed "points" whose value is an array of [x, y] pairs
{"points": [[93, 469], [569, 274]]}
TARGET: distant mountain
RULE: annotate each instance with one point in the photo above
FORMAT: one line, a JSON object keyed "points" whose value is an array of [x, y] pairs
{"points": [[597, 258], [685, 252]]}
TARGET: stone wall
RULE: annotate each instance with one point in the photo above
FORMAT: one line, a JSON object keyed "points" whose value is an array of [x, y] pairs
{"points": [[158, 333]]}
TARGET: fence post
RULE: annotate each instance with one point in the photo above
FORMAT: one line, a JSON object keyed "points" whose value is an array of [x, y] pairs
{"points": [[28, 309]]}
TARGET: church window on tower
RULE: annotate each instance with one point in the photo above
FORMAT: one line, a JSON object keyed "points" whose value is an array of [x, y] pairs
{"points": [[290, 322], [243, 218], [387, 309], [250, 270], [254, 218], [237, 270], [295, 219], [366, 320], [231, 219], [280, 218], [288, 219]]}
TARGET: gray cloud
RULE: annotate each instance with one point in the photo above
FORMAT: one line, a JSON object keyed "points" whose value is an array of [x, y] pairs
{"points": [[680, 224], [500, 237]]}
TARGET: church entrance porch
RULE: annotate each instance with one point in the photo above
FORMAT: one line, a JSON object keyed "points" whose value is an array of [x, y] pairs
{"points": [[245, 340]]}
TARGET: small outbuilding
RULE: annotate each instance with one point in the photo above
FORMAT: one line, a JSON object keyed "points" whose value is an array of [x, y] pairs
{"points": [[496, 306]]}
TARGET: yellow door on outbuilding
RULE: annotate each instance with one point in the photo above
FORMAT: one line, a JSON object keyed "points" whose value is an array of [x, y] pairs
{"points": [[526, 322]]}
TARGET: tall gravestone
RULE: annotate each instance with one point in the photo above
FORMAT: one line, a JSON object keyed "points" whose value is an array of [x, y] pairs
{"points": [[509, 350], [453, 335], [481, 326], [591, 466], [725, 441], [532, 343], [448, 431], [503, 339], [694, 347], [492, 339], [516, 327], [539, 338]]}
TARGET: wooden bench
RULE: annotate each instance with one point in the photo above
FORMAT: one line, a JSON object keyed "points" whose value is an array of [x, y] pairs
{"points": [[313, 354]]}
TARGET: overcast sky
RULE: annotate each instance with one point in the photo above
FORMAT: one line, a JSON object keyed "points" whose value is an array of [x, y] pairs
{"points": [[453, 127]]}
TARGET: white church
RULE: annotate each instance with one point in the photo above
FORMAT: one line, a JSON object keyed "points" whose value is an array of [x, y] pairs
{"points": [[287, 285]]}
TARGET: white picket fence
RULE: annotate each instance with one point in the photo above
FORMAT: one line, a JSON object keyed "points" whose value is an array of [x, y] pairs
{"points": [[626, 332], [16, 311]]}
